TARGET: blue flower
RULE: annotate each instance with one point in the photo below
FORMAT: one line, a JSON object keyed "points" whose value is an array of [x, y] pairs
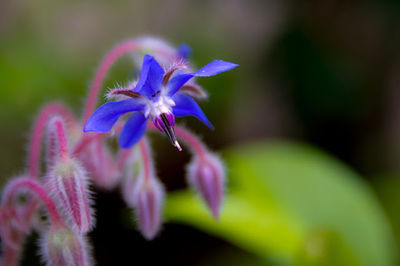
{"points": [[155, 96]]}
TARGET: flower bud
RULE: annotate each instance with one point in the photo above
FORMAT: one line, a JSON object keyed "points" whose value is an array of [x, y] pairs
{"points": [[133, 171], [99, 162], [149, 197], [207, 176], [68, 186], [64, 247]]}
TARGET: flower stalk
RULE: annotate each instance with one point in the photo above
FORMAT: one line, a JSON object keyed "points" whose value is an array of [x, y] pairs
{"points": [[38, 132], [101, 73], [12, 189], [145, 155]]}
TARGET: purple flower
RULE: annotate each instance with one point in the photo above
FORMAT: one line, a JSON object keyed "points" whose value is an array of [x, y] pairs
{"points": [[148, 199], [207, 177], [155, 96]]}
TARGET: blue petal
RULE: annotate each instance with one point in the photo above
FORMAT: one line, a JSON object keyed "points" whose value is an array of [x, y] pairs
{"points": [[133, 130], [150, 80], [187, 106], [184, 51], [214, 68], [177, 82], [103, 119]]}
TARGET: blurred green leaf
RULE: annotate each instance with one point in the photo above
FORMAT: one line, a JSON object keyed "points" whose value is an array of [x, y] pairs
{"points": [[294, 205], [387, 187]]}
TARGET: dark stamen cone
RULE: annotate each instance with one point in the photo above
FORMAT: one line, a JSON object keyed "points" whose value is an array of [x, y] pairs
{"points": [[165, 123]]}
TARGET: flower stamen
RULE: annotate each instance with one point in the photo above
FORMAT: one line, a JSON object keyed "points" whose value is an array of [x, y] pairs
{"points": [[165, 123]]}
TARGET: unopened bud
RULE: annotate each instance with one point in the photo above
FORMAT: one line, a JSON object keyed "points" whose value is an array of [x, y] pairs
{"points": [[149, 198], [207, 176], [64, 247], [99, 162], [68, 186], [133, 171]]}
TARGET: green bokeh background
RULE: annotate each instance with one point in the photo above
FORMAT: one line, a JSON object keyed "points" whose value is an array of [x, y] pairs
{"points": [[321, 76]]}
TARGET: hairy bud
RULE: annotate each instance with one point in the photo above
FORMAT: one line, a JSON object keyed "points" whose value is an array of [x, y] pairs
{"points": [[99, 162], [133, 171], [207, 176], [68, 186], [149, 198], [64, 247]]}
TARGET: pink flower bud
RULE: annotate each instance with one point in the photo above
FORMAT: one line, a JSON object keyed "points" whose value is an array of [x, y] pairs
{"points": [[133, 171], [99, 162], [68, 186], [64, 247], [207, 176], [149, 197]]}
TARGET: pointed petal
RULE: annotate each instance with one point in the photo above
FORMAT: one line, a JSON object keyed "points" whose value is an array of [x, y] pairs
{"points": [[214, 68], [133, 130], [150, 80], [177, 82], [103, 119], [187, 106]]}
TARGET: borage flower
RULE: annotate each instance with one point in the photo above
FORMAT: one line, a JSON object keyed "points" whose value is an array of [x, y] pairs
{"points": [[155, 96]]}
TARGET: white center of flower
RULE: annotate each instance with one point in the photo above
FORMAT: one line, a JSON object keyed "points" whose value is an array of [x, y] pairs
{"points": [[155, 109]]}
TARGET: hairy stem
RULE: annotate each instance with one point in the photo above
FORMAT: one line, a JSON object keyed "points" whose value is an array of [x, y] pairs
{"points": [[15, 185], [146, 157], [85, 141], [112, 56], [123, 156], [59, 131], [38, 131], [11, 256]]}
